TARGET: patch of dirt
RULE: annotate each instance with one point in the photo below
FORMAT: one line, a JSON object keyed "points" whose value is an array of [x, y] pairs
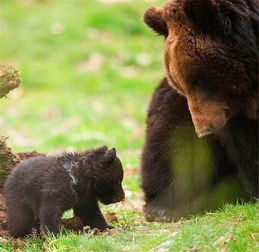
{"points": [[3, 221], [74, 224]]}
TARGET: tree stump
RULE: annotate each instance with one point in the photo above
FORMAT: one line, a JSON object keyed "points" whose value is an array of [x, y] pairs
{"points": [[7, 160], [9, 79]]}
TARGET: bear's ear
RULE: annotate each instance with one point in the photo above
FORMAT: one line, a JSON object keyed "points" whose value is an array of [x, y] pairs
{"points": [[109, 156], [209, 16], [153, 17]]}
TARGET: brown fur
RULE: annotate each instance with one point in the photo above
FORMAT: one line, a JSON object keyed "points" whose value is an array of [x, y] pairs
{"points": [[210, 56], [202, 42]]}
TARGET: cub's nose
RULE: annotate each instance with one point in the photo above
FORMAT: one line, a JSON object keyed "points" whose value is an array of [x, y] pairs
{"points": [[204, 132], [118, 198], [121, 197]]}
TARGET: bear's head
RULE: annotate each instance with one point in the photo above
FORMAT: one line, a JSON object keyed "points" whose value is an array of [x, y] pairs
{"points": [[210, 56], [106, 174]]}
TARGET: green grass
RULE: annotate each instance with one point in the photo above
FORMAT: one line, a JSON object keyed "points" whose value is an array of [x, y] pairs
{"points": [[88, 70], [234, 228]]}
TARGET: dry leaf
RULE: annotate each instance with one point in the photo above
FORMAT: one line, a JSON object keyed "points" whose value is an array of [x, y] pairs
{"points": [[113, 231], [254, 236], [3, 239], [224, 250], [221, 241], [110, 217], [194, 249], [236, 223], [20, 242]]}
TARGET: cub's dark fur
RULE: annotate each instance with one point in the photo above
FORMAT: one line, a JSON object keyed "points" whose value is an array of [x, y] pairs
{"points": [[43, 188]]}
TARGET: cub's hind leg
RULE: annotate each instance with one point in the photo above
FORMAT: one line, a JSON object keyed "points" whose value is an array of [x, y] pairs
{"points": [[20, 219]]}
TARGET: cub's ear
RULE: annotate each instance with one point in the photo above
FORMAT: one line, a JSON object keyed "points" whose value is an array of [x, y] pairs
{"points": [[102, 148], [209, 15], [153, 17], [109, 156], [83, 161]]}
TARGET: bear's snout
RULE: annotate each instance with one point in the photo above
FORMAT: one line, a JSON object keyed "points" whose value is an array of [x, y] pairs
{"points": [[205, 132], [208, 116]]}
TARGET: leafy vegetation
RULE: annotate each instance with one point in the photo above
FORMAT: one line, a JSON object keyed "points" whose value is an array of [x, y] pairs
{"points": [[88, 69]]}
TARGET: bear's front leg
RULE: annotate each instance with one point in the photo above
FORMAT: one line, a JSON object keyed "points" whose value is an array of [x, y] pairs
{"points": [[91, 215], [49, 216], [240, 139]]}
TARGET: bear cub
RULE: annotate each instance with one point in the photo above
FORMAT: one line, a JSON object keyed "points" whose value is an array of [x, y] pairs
{"points": [[41, 189]]}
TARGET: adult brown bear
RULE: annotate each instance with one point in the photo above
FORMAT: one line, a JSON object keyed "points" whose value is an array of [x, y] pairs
{"points": [[210, 56]]}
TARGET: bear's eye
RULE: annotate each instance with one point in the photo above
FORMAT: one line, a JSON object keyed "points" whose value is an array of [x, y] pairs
{"points": [[173, 10], [227, 112], [202, 82]]}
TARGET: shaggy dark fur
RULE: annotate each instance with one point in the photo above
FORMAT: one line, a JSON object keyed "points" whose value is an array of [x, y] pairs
{"points": [[240, 139], [43, 188], [211, 59]]}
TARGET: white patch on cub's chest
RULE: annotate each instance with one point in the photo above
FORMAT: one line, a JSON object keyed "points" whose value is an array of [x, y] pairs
{"points": [[69, 168]]}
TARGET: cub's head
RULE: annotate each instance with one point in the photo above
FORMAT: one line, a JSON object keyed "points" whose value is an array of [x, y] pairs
{"points": [[210, 56], [106, 174]]}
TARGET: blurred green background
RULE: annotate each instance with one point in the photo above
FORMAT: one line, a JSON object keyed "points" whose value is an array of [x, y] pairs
{"points": [[88, 68]]}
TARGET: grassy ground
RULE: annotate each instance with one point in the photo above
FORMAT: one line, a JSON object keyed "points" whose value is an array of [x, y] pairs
{"points": [[88, 69]]}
